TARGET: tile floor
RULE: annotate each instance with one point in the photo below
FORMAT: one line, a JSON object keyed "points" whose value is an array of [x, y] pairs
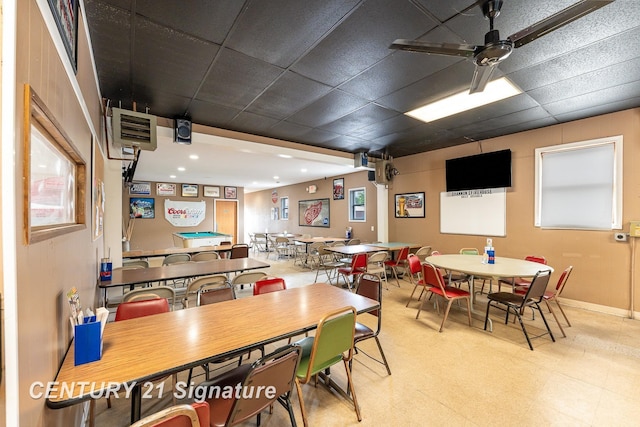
{"points": [[466, 376]]}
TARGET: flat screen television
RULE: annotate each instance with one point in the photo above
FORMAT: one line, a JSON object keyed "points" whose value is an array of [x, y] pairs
{"points": [[487, 170]]}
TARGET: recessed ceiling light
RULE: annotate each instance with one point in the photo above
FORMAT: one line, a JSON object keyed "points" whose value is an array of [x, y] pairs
{"points": [[172, 176], [194, 157], [303, 170], [181, 169], [285, 156], [496, 90], [276, 177]]}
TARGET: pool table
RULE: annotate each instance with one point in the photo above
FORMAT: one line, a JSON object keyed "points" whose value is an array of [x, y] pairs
{"points": [[200, 238]]}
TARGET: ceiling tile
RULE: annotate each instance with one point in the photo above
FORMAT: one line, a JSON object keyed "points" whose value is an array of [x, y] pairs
{"points": [[327, 109], [367, 115]]}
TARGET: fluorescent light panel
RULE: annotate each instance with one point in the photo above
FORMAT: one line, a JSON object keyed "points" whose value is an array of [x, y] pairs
{"points": [[496, 90]]}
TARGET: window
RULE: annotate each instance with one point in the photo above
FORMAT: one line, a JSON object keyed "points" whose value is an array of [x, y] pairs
{"points": [[55, 176], [284, 208], [357, 205], [579, 185]]}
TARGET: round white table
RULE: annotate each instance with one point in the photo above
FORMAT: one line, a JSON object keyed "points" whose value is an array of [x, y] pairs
{"points": [[473, 266]]}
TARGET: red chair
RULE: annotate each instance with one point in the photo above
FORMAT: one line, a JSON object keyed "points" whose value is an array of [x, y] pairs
{"points": [[519, 281], [415, 270], [357, 267], [269, 284], [140, 308], [552, 295], [196, 414], [433, 278], [400, 261]]}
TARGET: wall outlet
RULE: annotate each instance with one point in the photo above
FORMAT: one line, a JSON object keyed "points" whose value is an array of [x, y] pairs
{"points": [[373, 228], [620, 237]]}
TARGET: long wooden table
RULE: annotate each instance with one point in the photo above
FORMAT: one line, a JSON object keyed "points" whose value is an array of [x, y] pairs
{"points": [[138, 350], [179, 271], [135, 254]]}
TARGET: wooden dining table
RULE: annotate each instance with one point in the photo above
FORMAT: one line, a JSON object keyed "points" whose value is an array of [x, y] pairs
{"points": [[139, 350], [131, 277]]}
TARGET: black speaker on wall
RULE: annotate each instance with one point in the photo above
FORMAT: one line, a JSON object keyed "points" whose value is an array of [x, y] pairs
{"points": [[182, 131], [371, 175]]}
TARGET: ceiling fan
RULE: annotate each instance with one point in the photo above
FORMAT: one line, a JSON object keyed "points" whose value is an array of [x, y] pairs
{"points": [[486, 57]]}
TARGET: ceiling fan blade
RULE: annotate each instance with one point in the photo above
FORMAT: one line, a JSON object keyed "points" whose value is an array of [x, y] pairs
{"points": [[449, 49], [557, 20], [481, 76]]}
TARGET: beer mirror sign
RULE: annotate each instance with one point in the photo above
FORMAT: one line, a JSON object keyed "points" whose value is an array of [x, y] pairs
{"points": [[410, 205]]}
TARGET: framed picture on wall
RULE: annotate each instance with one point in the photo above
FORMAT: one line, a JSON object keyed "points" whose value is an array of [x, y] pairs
{"points": [[314, 213], [230, 193], [410, 205], [142, 207], [338, 189], [165, 189], [211, 191], [65, 13], [189, 190]]}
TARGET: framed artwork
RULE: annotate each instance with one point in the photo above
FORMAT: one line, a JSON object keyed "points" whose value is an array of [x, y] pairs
{"points": [[230, 193], [142, 188], [274, 214], [313, 213], [209, 191], [165, 189], [65, 13], [189, 190], [410, 205], [338, 189], [142, 207]]}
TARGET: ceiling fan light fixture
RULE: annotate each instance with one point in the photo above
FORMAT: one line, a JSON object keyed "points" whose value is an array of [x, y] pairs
{"points": [[496, 90]]}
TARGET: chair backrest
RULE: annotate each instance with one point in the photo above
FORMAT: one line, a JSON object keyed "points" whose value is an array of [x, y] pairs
{"points": [[353, 242], [138, 262], [248, 277], [194, 415], [469, 251], [314, 248], [359, 262], [538, 286], [338, 243], [211, 293], [370, 286], [225, 243], [423, 252], [378, 257], [562, 281], [194, 286], [135, 309], [240, 250], [269, 284], [140, 294], [432, 276], [174, 258], [415, 266], [435, 253], [404, 253], [205, 256], [535, 258], [333, 338], [276, 370], [282, 240]]}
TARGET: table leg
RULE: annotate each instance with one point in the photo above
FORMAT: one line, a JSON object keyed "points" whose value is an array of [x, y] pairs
{"points": [[136, 402]]}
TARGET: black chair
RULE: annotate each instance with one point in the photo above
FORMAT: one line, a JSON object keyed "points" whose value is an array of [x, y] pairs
{"points": [[370, 286], [507, 301]]}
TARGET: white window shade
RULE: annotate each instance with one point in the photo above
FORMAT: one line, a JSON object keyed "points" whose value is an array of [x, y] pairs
{"points": [[579, 185]]}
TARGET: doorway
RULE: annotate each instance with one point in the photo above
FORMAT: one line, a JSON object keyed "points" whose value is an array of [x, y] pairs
{"points": [[226, 218]]}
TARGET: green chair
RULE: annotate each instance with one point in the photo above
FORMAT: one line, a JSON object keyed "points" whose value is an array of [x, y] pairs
{"points": [[332, 343]]}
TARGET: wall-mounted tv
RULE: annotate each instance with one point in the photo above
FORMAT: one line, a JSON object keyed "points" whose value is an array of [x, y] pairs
{"points": [[487, 170]]}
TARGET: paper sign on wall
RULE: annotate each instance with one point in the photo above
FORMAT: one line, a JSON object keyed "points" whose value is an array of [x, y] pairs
{"points": [[184, 214]]}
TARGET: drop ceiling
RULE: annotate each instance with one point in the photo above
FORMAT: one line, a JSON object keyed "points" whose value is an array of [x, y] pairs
{"points": [[320, 73]]}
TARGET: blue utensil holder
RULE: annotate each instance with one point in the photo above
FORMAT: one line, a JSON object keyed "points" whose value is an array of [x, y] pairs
{"points": [[88, 342]]}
